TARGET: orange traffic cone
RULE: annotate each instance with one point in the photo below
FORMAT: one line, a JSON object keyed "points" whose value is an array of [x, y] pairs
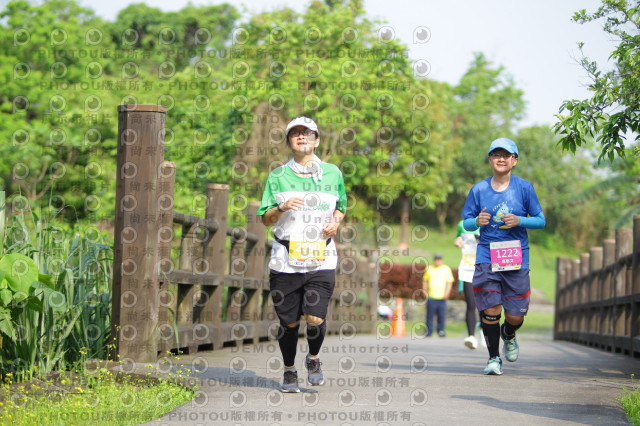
{"points": [[398, 328]]}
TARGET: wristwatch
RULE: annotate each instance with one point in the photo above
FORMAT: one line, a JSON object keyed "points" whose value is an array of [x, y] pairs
{"points": [[279, 209]]}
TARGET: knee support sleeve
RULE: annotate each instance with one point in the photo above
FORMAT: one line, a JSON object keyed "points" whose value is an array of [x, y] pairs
{"points": [[487, 317], [285, 329], [315, 331]]}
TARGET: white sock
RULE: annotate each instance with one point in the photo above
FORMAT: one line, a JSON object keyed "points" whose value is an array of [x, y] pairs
{"points": [[314, 356]]}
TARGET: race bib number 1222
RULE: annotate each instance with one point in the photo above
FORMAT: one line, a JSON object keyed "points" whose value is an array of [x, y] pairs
{"points": [[506, 255]]}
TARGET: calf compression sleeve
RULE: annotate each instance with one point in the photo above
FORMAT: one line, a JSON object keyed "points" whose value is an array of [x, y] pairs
{"points": [[492, 337], [288, 342], [315, 336], [509, 329]]}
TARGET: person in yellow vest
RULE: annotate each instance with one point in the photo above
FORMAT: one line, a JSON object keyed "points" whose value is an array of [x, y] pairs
{"points": [[437, 282]]}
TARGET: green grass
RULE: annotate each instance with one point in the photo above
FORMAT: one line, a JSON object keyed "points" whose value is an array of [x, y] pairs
{"points": [[55, 313], [542, 260], [630, 400], [93, 399]]}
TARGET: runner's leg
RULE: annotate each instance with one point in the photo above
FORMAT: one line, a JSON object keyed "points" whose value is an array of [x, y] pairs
{"points": [[316, 330], [470, 315], [442, 315], [431, 308], [288, 343]]}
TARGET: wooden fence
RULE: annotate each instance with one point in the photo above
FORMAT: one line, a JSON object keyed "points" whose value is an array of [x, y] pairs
{"points": [[598, 295], [215, 292]]}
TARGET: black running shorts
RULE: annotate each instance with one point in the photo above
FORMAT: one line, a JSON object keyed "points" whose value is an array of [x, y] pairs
{"points": [[295, 294]]}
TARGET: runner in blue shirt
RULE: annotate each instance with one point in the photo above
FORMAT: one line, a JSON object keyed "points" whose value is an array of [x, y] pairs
{"points": [[502, 206]]}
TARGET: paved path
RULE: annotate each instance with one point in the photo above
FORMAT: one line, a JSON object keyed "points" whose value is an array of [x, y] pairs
{"points": [[404, 381]]}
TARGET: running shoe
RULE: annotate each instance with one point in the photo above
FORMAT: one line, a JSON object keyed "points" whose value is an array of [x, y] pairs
{"points": [[315, 377], [471, 342], [510, 348], [494, 367], [290, 382]]}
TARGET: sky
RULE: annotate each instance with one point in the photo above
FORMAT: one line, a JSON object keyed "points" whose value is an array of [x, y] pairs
{"points": [[536, 42]]}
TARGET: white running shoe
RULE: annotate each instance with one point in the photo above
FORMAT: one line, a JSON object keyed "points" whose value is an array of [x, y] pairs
{"points": [[471, 342], [483, 342]]}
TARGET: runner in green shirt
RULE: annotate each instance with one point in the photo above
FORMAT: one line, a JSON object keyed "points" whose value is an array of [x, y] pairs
{"points": [[305, 201]]}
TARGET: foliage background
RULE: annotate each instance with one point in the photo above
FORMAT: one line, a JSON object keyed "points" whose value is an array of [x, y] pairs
{"points": [[409, 147]]}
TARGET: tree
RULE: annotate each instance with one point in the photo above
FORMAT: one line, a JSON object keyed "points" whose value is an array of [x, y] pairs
{"points": [[559, 178], [51, 150], [614, 109], [486, 106], [618, 191], [64, 72], [374, 114]]}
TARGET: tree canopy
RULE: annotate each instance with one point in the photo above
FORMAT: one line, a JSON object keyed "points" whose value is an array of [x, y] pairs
{"points": [[613, 111], [230, 87]]}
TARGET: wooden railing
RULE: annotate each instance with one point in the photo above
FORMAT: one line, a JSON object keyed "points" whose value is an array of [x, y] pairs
{"points": [[598, 295], [215, 291]]}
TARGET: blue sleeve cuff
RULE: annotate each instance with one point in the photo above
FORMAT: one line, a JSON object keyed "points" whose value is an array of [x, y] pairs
{"points": [[470, 224], [534, 222]]}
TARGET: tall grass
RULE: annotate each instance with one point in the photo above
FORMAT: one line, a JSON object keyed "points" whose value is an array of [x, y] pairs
{"points": [[66, 315]]}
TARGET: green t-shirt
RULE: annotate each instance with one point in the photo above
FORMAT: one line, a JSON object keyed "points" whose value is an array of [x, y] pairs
{"points": [[320, 201]]}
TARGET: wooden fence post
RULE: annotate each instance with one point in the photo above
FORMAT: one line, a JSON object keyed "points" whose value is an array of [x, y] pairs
{"points": [[255, 269], [595, 262], [609, 257], [217, 210], [624, 246], [136, 274], [584, 294], [190, 252], [556, 319], [236, 297], [635, 288], [166, 186], [574, 268], [608, 276], [621, 310]]}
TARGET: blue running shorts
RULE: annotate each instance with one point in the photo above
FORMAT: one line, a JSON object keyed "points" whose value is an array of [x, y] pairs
{"points": [[511, 289]]}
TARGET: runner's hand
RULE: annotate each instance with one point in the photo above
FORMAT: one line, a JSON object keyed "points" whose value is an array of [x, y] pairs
{"points": [[483, 218], [330, 229], [294, 203], [511, 220]]}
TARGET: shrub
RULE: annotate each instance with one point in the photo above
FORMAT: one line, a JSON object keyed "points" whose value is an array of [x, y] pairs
{"points": [[404, 280]]}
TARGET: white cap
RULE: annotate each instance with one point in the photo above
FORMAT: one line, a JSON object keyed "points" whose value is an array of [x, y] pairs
{"points": [[302, 121]]}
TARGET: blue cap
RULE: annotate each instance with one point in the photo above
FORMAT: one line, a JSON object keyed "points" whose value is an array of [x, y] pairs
{"points": [[506, 144]]}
